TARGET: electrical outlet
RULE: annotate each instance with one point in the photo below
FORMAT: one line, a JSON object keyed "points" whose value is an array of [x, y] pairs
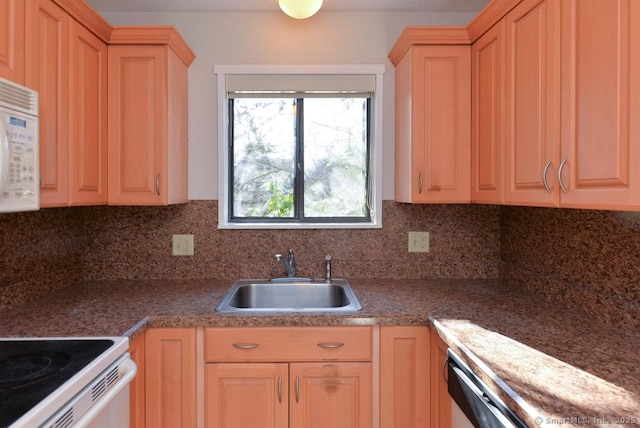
{"points": [[418, 242], [183, 245]]}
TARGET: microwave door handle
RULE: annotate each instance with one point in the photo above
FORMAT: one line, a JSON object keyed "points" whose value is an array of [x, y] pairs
{"points": [[129, 367]]}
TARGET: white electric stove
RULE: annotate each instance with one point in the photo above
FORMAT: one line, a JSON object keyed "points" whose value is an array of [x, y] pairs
{"points": [[61, 382]]}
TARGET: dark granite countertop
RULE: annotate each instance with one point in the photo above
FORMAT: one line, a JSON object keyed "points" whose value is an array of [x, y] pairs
{"points": [[548, 363]]}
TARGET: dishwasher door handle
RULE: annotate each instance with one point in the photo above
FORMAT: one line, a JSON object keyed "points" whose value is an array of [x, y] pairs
{"points": [[477, 402]]}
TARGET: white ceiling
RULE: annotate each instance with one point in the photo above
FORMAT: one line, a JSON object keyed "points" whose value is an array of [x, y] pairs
{"points": [[272, 5]]}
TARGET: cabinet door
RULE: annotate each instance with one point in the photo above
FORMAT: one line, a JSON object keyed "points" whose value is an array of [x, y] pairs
{"points": [[88, 118], [601, 103], [12, 40], [137, 124], [487, 116], [404, 377], [532, 128], [48, 73], [441, 124], [170, 369], [440, 399], [336, 395], [252, 395], [136, 393]]}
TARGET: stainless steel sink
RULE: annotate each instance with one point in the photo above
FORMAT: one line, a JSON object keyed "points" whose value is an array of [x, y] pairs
{"points": [[289, 295]]}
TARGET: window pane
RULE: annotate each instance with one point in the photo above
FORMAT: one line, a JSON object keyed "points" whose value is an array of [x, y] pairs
{"points": [[335, 157], [263, 157]]}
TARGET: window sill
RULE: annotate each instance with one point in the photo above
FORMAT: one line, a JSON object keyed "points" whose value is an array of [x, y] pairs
{"points": [[369, 225]]}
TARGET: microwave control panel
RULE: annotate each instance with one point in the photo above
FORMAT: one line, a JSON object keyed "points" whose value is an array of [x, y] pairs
{"points": [[19, 169]]}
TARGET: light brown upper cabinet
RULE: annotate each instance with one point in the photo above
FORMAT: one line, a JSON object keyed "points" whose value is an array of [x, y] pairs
{"points": [[48, 73], [572, 93], [433, 115], [87, 118], [532, 97], [12, 40], [487, 116], [67, 64], [148, 132], [131, 153], [600, 91]]}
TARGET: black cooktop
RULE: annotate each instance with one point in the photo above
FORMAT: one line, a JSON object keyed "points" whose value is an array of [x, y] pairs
{"points": [[30, 370]]}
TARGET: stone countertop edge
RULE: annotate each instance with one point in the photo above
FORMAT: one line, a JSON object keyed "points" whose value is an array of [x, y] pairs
{"points": [[554, 367], [541, 388], [520, 407]]}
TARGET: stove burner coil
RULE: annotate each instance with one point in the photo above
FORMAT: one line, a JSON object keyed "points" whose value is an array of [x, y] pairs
{"points": [[20, 370]]}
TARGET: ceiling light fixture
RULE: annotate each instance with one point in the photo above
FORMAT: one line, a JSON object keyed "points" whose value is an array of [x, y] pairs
{"points": [[300, 9]]}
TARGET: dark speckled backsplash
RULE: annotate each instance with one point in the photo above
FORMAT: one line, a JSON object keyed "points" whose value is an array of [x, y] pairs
{"points": [[54, 248], [40, 251], [129, 242], [587, 259]]}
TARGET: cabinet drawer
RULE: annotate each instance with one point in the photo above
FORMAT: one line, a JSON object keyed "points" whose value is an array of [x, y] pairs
{"points": [[269, 344]]}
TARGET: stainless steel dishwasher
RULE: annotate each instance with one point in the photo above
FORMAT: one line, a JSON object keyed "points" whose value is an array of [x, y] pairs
{"points": [[473, 402]]}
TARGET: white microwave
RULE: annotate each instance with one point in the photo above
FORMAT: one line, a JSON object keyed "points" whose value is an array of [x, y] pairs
{"points": [[19, 148]]}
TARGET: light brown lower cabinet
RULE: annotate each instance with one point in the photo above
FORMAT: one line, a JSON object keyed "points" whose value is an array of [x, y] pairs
{"points": [[170, 377], [137, 390], [440, 399], [272, 395], [247, 395], [404, 376], [291, 377], [331, 394], [297, 377]]}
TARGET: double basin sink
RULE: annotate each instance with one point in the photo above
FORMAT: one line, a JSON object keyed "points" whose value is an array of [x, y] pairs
{"points": [[289, 295]]}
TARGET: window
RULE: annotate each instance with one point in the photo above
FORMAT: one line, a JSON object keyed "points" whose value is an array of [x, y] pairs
{"points": [[299, 159], [299, 149]]}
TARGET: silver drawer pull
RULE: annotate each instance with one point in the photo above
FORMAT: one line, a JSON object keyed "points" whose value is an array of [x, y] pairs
{"points": [[279, 389], [246, 345], [331, 345]]}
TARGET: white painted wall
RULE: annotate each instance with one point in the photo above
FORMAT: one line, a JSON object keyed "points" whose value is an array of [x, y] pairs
{"points": [[273, 38]]}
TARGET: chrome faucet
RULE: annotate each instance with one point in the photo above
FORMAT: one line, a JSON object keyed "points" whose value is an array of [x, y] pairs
{"points": [[327, 268], [289, 263]]}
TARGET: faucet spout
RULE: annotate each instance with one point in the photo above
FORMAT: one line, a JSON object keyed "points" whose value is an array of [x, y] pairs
{"points": [[289, 263]]}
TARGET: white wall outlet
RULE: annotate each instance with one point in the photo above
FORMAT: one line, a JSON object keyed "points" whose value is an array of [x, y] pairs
{"points": [[183, 245], [418, 242]]}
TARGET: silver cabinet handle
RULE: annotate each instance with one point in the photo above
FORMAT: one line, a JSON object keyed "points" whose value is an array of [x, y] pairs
{"points": [[158, 184], [297, 389], [564, 189], [420, 185], [444, 369], [544, 176], [280, 389], [246, 345], [331, 345]]}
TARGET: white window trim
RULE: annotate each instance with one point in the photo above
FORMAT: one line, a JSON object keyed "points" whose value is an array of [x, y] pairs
{"points": [[375, 140]]}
